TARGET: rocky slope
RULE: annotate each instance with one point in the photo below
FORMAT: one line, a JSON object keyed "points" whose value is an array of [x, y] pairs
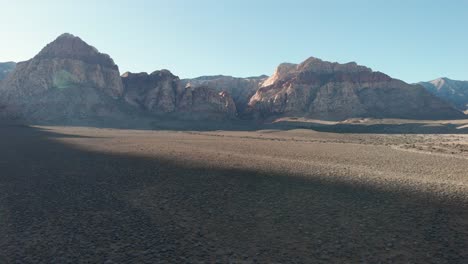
{"points": [[67, 80], [326, 90], [452, 91], [241, 89], [6, 68], [163, 94]]}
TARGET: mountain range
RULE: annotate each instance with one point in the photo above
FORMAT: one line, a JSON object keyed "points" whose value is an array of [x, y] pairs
{"points": [[69, 80]]}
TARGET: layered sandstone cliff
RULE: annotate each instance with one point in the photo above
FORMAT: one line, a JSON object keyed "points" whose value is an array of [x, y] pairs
{"points": [[326, 90]]}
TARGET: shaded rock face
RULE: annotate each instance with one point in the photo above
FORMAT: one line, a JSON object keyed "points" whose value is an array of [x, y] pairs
{"points": [[6, 68], [325, 90], [241, 89], [206, 103], [451, 91], [68, 79], [163, 94], [155, 93]]}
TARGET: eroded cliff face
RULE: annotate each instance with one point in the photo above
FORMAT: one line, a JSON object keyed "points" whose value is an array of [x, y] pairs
{"points": [[206, 103], [163, 94], [68, 79], [241, 89], [155, 93], [325, 90]]}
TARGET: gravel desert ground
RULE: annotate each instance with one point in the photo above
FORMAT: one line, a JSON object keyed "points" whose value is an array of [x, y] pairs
{"points": [[89, 195]]}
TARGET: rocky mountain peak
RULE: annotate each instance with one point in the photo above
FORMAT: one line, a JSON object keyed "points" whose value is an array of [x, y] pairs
{"points": [[281, 72], [452, 91], [445, 83], [68, 46], [64, 63], [317, 65], [67, 80], [440, 82], [313, 66], [164, 73]]}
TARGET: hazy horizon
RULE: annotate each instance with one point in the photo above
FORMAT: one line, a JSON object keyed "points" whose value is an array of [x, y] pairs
{"points": [[415, 41]]}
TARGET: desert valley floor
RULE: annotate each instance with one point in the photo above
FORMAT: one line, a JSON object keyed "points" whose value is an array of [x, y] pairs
{"points": [[90, 195]]}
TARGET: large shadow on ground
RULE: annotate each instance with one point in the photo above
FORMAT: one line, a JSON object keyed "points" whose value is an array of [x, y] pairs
{"points": [[60, 204]]}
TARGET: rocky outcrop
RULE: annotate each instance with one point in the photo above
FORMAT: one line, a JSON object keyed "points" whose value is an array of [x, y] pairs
{"points": [[206, 103], [162, 94], [68, 79], [326, 90], [281, 72], [155, 93], [452, 91], [6, 68], [241, 89]]}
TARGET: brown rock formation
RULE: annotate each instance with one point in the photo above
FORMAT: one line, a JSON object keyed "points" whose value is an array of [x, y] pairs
{"points": [[326, 90]]}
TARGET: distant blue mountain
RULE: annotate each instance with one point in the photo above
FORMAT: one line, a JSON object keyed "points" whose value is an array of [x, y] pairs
{"points": [[452, 91]]}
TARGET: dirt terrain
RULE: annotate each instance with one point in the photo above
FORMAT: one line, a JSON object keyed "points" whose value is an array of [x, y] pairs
{"points": [[88, 195]]}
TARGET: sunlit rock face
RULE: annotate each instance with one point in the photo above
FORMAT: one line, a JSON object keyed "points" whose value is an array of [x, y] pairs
{"points": [[162, 94], [326, 90], [452, 91], [67, 79]]}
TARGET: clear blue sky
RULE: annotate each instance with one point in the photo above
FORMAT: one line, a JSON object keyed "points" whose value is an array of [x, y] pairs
{"points": [[410, 40]]}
